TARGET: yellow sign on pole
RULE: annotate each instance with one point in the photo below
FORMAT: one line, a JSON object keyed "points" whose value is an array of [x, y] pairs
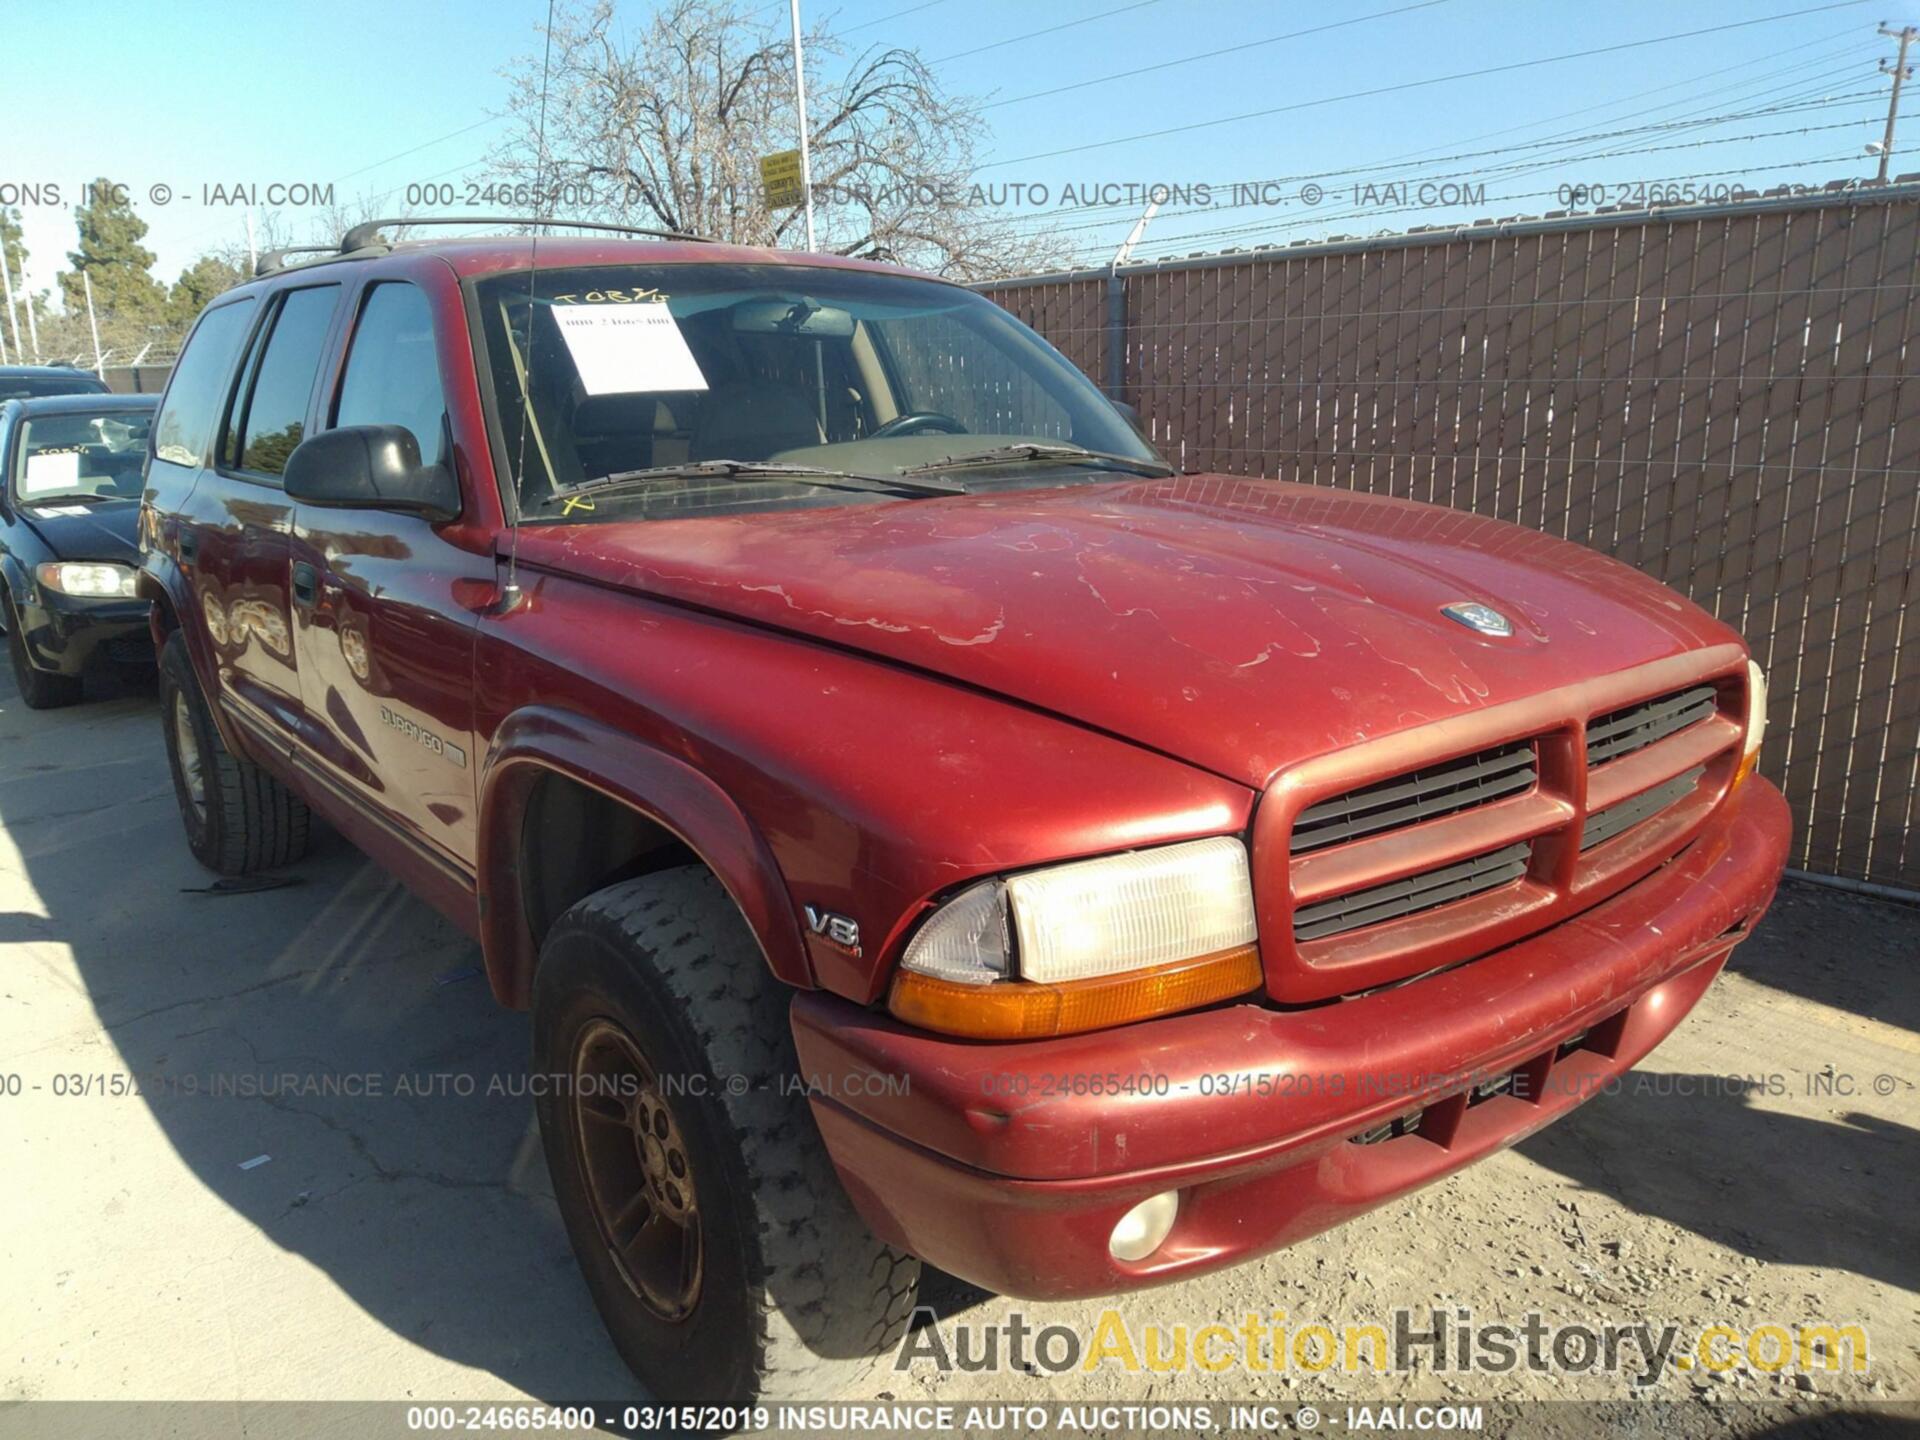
{"points": [[780, 183]]}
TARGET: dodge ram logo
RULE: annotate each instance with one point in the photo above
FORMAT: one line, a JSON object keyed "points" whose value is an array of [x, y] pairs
{"points": [[1484, 618]]}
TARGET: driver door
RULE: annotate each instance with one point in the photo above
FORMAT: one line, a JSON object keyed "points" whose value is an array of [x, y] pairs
{"points": [[383, 622]]}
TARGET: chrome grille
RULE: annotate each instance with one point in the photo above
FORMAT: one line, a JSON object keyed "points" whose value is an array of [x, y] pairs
{"points": [[1411, 896], [1617, 819], [1442, 789], [1622, 732]]}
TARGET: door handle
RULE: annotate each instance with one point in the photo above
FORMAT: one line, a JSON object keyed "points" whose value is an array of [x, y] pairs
{"points": [[306, 583]]}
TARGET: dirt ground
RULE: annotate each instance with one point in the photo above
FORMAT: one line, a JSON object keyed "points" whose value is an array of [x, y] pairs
{"points": [[161, 1245]]}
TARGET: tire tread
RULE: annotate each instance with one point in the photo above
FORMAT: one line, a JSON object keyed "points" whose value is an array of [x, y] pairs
{"points": [[811, 1242]]}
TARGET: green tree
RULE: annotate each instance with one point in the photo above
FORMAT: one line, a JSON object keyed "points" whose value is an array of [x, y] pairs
{"points": [[112, 257], [209, 276], [13, 242]]}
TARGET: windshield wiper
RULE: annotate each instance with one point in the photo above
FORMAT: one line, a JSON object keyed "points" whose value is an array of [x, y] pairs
{"points": [[753, 470], [1033, 450]]}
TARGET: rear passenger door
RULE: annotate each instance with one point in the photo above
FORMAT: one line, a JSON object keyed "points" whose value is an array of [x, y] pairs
{"points": [[246, 518], [384, 623], [175, 518]]}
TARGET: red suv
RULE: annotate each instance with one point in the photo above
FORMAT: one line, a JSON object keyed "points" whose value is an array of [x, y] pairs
{"points": [[923, 825]]}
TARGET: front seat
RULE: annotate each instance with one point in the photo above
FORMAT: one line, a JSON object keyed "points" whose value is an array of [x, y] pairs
{"points": [[747, 421]]}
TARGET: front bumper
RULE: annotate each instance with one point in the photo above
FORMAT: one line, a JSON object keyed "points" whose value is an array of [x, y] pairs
{"points": [[1009, 1164], [69, 634]]}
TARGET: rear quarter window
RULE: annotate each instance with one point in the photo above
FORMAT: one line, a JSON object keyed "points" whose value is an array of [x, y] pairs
{"points": [[199, 384]]}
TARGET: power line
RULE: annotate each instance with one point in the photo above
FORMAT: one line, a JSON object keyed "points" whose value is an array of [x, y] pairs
{"points": [[1068, 25], [1603, 155], [1655, 128], [416, 149], [1417, 84], [1491, 199], [910, 10], [1213, 54], [1423, 159]]}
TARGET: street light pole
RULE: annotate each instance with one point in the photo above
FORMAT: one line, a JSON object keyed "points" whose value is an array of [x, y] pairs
{"points": [[800, 100]]}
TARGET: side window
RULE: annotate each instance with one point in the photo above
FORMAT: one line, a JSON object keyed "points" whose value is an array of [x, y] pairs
{"points": [[393, 375], [273, 420], [199, 383]]}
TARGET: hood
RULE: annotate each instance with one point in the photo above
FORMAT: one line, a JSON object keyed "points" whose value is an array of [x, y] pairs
{"points": [[1239, 624], [103, 530]]}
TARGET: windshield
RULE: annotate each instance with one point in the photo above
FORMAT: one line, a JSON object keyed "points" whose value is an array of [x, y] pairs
{"points": [[642, 369], [81, 455]]}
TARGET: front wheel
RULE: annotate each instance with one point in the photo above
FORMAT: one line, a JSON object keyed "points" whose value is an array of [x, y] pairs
{"points": [[712, 1231], [238, 818]]}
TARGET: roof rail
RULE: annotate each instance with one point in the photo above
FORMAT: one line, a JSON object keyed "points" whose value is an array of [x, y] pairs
{"points": [[272, 260], [360, 237]]}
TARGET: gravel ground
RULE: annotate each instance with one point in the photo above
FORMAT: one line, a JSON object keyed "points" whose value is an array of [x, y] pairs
{"points": [[400, 1248]]}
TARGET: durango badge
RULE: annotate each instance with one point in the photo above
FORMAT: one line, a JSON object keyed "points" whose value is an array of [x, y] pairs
{"points": [[1475, 616]]}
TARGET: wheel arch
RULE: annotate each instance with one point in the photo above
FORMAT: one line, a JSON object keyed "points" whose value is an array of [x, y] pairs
{"points": [[163, 585], [548, 764]]}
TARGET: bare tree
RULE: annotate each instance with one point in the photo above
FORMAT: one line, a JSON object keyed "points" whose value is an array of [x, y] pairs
{"points": [[665, 126]]}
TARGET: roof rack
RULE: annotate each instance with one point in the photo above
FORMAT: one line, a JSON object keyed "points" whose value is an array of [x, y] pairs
{"points": [[272, 260], [362, 236]]}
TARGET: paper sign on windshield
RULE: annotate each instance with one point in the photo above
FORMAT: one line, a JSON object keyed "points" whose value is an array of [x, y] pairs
{"points": [[628, 349], [51, 470]]}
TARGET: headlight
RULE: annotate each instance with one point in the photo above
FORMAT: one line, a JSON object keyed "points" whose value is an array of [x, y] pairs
{"points": [[1085, 945], [1756, 720], [93, 578]]}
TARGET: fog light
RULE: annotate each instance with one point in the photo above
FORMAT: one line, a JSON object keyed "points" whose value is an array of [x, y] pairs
{"points": [[1142, 1228]]}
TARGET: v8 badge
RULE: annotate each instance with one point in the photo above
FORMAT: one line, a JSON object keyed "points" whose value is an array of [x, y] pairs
{"points": [[837, 930]]}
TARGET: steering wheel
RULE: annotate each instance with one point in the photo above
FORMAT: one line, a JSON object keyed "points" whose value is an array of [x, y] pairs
{"points": [[915, 422]]}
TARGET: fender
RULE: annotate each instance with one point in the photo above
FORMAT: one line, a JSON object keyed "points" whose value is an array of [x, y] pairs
{"points": [[13, 574], [159, 579], [540, 739]]}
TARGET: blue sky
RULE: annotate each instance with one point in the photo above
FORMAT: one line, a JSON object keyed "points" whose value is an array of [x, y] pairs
{"points": [[195, 93]]}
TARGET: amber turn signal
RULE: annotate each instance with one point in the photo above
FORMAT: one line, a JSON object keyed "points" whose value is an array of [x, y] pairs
{"points": [[1023, 1010], [1746, 768]]}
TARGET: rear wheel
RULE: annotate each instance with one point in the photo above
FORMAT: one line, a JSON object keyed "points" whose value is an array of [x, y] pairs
{"points": [[238, 818], [40, 689], [712, 1231]]}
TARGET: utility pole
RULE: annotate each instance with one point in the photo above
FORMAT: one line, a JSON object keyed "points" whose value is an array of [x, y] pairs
{"points": [[13, 320], [800, 100], [99, 360], [26, 296], [1900, 71]]}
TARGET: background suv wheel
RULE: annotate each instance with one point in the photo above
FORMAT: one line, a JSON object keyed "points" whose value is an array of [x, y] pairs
{"points": [[238, 818]]}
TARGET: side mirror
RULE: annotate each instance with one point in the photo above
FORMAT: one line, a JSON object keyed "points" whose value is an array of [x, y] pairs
{"points": [[370, 467], [1130, 415]]}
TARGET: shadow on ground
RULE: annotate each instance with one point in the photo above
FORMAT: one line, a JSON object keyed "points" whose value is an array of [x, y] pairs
{"points": [[1853, 952], [1785, 1189], [353, 1023]]}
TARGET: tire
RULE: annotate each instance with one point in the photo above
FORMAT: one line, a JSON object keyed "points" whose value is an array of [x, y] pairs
{"points": [[793, 1298], [238, 818], [40, 689]]}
